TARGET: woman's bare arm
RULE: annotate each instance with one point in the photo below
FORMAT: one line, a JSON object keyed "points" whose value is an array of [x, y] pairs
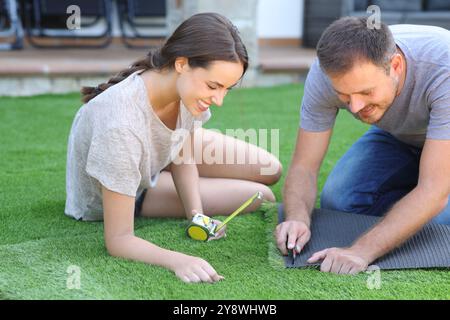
{"points": [[186, 179], [120, 241]]}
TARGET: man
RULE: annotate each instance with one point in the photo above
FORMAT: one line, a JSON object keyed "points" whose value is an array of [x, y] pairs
{"points": [[398, 80]]}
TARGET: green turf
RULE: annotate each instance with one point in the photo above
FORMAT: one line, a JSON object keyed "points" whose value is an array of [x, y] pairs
{"points": [[38, 243]]}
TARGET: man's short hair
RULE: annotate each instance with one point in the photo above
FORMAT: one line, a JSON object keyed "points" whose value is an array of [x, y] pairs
{"points": [[349, 40]]}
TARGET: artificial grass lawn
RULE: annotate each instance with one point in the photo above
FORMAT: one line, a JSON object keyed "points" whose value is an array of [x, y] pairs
{"points": [[38, 243]]}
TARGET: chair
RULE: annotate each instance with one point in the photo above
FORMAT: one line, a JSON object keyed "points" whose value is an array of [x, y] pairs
{"points": [[11, 30], [141, 19], [48, 20]]}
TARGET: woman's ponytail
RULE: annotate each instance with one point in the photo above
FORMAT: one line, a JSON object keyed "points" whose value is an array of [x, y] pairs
{"points": [[143, 64]]}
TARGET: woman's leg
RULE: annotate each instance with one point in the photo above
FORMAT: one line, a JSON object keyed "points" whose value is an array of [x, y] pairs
{"points": [[220, 196], [224, 186], [237, 160]]}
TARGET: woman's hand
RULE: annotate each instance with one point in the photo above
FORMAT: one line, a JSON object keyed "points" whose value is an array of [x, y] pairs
{"points": [[222, 232], [193, 269]]}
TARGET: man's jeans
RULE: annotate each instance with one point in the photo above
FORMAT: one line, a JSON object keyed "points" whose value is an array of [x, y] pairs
{"points": [[375, 173]]}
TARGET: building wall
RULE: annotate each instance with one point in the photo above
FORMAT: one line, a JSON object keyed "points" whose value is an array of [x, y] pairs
{"points": [[275, 19], [280, 19]]}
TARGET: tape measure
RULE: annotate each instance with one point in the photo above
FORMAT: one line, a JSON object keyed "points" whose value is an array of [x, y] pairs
{"points": [[203, 227]]}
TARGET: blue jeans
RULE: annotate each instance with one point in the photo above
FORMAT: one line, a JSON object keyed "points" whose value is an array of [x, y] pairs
{"points": [[377, 171]]}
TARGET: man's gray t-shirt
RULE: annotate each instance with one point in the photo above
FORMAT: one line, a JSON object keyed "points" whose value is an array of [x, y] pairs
{"points": [[117, 140], [421, 111]]}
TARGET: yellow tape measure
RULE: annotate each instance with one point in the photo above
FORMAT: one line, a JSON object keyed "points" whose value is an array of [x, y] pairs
{"points": [[203, 227]]}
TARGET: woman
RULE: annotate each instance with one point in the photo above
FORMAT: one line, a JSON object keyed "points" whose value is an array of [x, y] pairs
{"points": [[124, 142]]}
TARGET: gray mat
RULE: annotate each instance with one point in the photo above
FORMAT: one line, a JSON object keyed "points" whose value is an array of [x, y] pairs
{"points": [[429, 248]]}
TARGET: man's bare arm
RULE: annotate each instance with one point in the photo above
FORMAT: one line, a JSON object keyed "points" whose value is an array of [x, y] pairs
{"points": [[300, 188]]}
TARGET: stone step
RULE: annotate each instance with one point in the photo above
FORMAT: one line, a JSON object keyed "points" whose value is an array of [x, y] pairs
{"points": [[35, 71]]}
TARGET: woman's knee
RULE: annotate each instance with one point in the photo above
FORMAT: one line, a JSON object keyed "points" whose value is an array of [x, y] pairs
{"points": [[271, 173], [268, 194]]}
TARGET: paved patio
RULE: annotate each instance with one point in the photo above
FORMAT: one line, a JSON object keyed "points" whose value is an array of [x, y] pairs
{"points": [[21, 70]]}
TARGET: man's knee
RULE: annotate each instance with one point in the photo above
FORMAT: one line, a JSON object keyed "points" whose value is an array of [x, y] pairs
{"points": [[444, 216], [332, 196], [339, 196]]}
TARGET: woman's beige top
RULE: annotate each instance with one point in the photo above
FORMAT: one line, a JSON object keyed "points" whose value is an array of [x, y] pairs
{"points": [[116, 140]]}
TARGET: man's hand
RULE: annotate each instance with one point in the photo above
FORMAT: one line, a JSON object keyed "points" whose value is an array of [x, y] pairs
{"points": [[295, 233], [340, 260]]}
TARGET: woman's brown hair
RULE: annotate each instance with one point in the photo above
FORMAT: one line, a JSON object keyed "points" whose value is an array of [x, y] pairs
{"points": [[203, 38]]}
